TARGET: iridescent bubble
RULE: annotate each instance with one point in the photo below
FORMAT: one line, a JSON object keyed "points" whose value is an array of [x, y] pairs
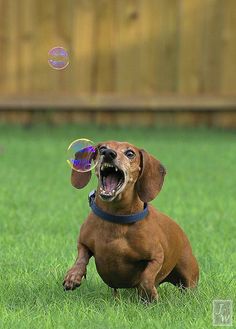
{"points": [[58, 58], [82, 155]]}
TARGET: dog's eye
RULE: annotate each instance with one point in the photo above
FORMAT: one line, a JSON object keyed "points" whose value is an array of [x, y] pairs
{"points": [[102, 149], [130, 154]]}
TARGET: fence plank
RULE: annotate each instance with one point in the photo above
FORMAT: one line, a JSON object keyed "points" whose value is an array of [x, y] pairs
{"points": [[212, 46], [191, 47], [63, 26], [11, 62], [83, 46], [44, 78], [152, 47], [3, 40], [128, 39], [26, 51], [167, 45], [104, 73], [228, 77]]}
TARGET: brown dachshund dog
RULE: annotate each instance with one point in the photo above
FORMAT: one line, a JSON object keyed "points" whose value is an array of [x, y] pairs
{"points": [[139, 254]]}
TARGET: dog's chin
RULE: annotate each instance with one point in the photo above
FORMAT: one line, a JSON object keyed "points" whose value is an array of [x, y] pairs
{"points": [[112, 182], [110, 198]]}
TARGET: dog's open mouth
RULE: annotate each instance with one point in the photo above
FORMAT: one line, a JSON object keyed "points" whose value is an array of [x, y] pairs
{"points": [[111, 179]]}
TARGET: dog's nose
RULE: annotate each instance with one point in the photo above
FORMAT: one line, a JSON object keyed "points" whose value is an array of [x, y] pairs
{"points": [[109, 154]]}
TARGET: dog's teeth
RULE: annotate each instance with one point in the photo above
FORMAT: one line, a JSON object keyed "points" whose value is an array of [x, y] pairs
{"points": [[116, 169], [113, 191], [107, 165]]}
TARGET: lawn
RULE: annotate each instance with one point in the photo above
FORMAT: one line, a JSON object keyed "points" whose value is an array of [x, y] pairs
{"points": [[40, 217]]}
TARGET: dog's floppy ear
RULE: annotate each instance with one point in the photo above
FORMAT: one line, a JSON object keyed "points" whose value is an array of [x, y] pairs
{"points": [[151, 177], [80, 179]]}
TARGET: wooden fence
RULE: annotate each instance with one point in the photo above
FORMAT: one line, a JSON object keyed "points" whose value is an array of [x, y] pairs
{"points": [[118, 47]]}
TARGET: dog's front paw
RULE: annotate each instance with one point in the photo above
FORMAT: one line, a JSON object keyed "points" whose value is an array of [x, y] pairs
{"points": [[72, 279]]}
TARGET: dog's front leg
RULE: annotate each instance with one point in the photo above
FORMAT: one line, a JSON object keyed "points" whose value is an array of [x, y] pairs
{"points": [[146, 288], [74, 276]]}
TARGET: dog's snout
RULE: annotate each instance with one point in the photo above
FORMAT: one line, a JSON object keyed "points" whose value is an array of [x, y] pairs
{"points": [[109, 154]]}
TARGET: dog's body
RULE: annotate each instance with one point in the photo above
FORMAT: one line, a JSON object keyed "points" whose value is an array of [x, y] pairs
{"points": [[143, 254]]}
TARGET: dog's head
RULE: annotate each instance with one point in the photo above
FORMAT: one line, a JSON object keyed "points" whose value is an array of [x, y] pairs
{"points": [[122, 167]]}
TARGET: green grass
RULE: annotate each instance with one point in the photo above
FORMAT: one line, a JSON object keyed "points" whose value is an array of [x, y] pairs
{"points": [[40, 216]]}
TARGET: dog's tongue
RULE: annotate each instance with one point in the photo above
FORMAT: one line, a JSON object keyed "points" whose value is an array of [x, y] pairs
{"points": [[111, 182]]}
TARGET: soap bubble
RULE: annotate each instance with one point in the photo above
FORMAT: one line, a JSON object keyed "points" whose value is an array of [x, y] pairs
{"points": [[82, 155], [58, 58]]}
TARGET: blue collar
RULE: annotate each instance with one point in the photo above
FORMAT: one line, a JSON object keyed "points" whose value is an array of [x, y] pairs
{"points": [[119, 219]]}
